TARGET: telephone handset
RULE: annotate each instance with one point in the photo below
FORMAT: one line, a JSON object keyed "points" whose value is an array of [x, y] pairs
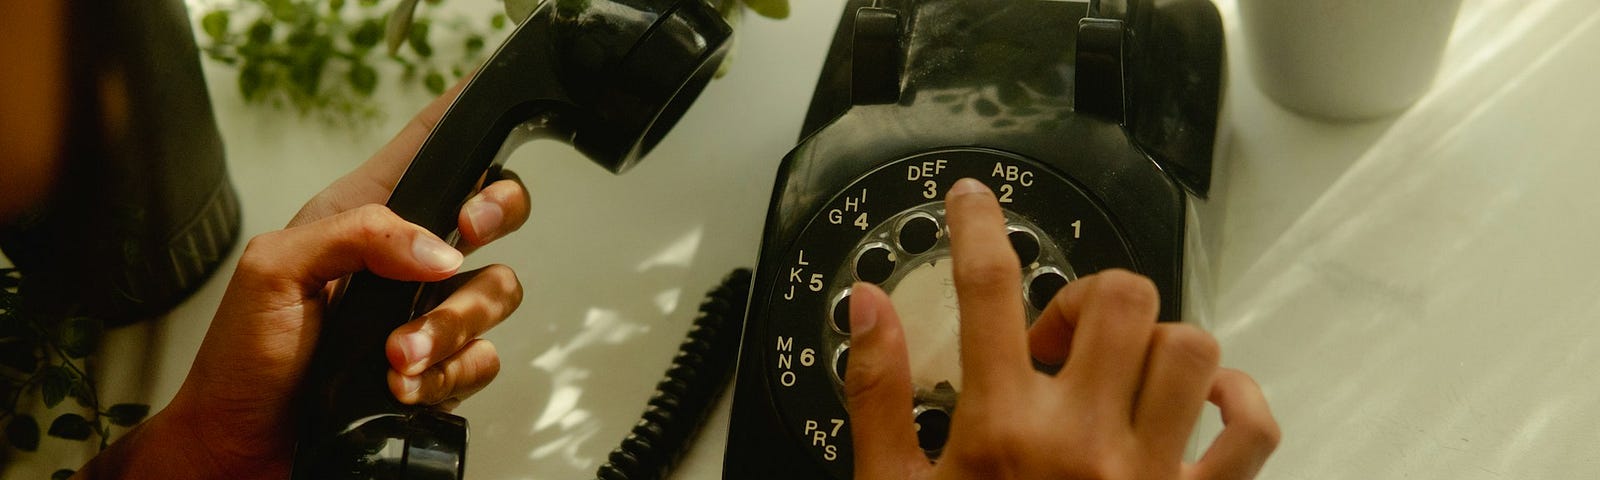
{"points": [[610, 77], [1088, 120]]}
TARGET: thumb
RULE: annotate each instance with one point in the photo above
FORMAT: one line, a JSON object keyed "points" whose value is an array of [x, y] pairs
{"points": [[305, 258], [878, 387]]}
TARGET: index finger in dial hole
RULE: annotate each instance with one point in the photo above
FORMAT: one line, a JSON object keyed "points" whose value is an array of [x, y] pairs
{"points": [[988, 280], [486, 297]]}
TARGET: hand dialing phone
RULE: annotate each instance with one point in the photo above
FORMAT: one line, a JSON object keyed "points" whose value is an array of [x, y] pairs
{"points": [[610, 77], [1088, 120]]}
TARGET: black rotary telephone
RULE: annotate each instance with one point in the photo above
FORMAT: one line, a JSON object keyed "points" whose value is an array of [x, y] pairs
{"points": [[609, 77], [1088, 120]]}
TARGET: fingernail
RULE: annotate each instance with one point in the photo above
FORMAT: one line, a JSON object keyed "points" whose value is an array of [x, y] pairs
{"points": [[484, 216], [861, 319], [410, 384], [435, 254], [967, 186], [415, 346]]}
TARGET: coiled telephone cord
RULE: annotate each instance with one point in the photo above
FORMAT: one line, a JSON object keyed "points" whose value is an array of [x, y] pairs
{"points": [[682, 400]]}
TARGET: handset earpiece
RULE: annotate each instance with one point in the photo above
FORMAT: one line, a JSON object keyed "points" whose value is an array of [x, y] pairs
{"points": [[610, 77]]}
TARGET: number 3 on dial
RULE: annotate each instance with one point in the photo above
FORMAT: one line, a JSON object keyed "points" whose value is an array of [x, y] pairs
{"points": [[932, 189]]}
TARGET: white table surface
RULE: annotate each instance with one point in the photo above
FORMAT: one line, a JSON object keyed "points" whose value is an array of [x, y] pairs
{"points": [[1415, 294]]}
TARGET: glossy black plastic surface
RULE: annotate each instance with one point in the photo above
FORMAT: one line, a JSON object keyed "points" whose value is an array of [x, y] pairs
{"points": [[1131, 130], [610, 77]]}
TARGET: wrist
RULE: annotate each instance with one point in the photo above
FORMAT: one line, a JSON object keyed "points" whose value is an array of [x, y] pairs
{"points": [[164, 446]]}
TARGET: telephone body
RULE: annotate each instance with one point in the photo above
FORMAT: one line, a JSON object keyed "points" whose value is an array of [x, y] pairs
{"points": [[1092, 122]]}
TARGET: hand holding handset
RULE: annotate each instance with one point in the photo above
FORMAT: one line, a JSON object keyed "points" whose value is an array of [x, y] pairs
{"points": [[610, 77]]}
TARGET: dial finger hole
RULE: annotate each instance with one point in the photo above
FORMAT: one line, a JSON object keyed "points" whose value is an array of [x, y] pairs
{"points": [[875, 263], [1025, 243], [933, 428], [1043, 284], [918, 233], [840, 314], [841, 360]]}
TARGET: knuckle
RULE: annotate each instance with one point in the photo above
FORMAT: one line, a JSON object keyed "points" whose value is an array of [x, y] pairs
{"points": [[509, 285], [372, 220], [1190, 343], [257, 256], [1269, 435], [994, 444], [1108, 467], [1125, 289], [487, 364], [987, 271], [1255, 419], [866, 375], [444, 327], [437, 383], [864, 380], [1262, 429], [1102, 457], [443, 319]]}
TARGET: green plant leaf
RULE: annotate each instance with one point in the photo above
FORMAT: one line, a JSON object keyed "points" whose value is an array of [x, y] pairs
{"points": [[23, 432], [363, 78], [78, 336], [70, 426], [419, 39], [336, 5], [367, 34], [260, 32], [519, 10], [80, 393], [497, 21], [474, 44], [775, 9], [54, 383], [284, 10], [127, 414], [302, 36], [215, 24], [62, 474], [399, 24], [252, 80], [434, 81], [306, 71]]}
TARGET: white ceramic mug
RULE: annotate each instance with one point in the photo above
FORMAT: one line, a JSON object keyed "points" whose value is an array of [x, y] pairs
{"points": [[1346, 59]]}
